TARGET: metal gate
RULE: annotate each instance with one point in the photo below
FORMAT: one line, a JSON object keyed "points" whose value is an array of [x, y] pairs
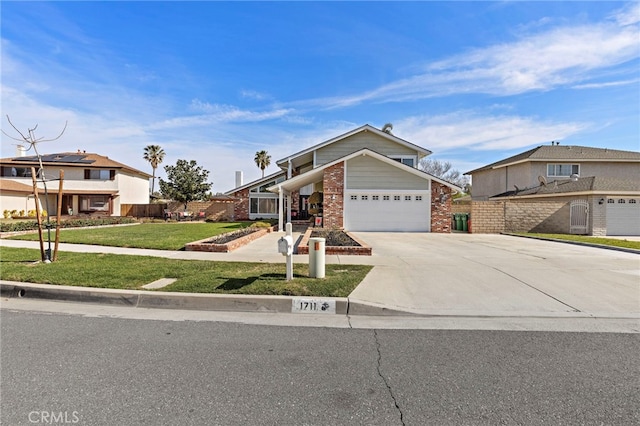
{"points": [[579, 217]]}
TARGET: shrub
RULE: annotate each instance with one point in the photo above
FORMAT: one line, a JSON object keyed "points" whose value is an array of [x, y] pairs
{"points": [[72, 223], [6, 214], [261, 225]]}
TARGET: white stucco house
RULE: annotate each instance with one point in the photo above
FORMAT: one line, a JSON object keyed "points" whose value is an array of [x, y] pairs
{"points": [[93, 184]]}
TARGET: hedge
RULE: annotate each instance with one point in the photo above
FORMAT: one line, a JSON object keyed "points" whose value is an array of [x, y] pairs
{"points": [[71, 223]]}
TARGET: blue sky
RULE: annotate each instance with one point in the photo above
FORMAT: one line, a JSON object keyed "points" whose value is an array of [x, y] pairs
{"points": [[215, 82]]}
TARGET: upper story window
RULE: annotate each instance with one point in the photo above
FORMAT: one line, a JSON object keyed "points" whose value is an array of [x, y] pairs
{"points": [[8, 171], [264, 186], [99, 174], [562, 170], [409, 160]]}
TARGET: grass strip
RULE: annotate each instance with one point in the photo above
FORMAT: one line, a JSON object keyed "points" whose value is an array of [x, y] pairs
{"points": [[193, 276], [603, 241], [158, 236]]}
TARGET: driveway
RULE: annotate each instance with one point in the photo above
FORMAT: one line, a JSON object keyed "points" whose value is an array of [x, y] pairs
{"points": [[477, 274]]}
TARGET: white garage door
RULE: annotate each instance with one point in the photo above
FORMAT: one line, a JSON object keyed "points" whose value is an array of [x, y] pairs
{"points": [[623, 216], [407, 211]]}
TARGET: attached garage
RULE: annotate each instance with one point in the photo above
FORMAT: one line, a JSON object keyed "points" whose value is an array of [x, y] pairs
{"points": [[391, 211], [623, 216]]}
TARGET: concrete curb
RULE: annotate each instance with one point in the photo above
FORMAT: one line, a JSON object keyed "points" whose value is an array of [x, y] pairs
{"points": [[576, 243], [159, 299]]}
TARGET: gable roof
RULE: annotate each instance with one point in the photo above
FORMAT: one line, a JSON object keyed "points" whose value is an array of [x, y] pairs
{"points": [[71, 159], [564, 153], [317, 173], [591, 184], [256, 182], [365, 128]]}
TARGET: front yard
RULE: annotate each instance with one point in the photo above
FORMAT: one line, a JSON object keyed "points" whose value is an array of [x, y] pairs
{"points": [[158, 236], [193, 276]]}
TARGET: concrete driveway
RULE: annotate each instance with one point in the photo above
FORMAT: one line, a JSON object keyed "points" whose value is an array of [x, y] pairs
{"points": [[497, 275]]}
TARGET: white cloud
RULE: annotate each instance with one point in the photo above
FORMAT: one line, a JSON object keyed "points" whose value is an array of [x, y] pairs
{"points": [[466, 129], [628, 15], [535, 62]]}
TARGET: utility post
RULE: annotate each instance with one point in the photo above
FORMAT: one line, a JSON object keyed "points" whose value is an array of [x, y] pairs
{"points": [[285, 247]]}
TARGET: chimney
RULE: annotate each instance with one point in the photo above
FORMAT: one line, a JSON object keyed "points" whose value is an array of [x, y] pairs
{"points": [[238, 178], [20, 151]]}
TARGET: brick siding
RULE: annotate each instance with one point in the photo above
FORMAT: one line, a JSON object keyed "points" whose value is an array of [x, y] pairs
{"points": [[440, 208], [333, 196]]}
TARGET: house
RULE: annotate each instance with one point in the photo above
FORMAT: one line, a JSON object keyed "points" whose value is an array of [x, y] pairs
{"points": [[559, 189], [363, 180], [92, 183]]}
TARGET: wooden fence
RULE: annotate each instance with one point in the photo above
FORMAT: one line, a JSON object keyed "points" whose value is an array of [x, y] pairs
{"points": [[143, 210]]}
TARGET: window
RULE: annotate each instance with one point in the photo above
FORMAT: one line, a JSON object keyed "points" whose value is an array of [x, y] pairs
{"points": [[364, 197], [263, 188], [17, 171], [632, 201], [264, 206], [385, 198], [354, 197], [621, 201], [562, 170], [418, 197], [375, 197], [396, 198], [406, 160], [99, 174], [611, 201], [94, 203], [407, 197]]}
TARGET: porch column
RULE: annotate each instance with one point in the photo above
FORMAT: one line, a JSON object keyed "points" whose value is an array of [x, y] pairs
{"points": [[289, 207], [280, 209]]}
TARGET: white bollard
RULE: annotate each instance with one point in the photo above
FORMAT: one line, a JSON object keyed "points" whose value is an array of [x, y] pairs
{"points": [[316, 257]]}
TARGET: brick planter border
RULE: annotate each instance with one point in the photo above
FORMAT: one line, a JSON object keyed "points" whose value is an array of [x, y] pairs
{"points": [[362, 250], [202, 245]]}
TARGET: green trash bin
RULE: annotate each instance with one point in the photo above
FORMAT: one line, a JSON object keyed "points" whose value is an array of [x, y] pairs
{"points": [[465, 225], [458, 218]]}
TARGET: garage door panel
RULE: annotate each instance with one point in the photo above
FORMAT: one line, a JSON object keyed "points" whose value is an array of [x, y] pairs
{"points": [[623, 216], [382, 214]]}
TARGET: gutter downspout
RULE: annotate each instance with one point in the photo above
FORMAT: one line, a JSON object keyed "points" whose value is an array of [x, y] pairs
{"points": [[280, 209]]}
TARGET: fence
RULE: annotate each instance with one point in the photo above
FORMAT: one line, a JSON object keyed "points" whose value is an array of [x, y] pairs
{"points": [[142, 210]]}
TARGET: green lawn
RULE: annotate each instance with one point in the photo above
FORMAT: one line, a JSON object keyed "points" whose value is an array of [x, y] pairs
{"points": [[614, 242], [196, 276], [160, 236]]}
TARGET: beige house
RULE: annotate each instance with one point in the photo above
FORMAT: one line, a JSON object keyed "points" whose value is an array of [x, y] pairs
{"points": [[93, 184], [559, 189], [363, 180]]}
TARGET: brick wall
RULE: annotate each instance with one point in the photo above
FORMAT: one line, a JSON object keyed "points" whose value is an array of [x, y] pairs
{"points": [[487, 217], [551, 215], [537, 216], [598, 216], [333, 196], [241, 210], [214, 209], [440, 208]]}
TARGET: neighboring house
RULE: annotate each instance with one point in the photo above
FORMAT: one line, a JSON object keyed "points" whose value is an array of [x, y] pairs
{"points": [[92, 184], [558, 188], [363, 180]]}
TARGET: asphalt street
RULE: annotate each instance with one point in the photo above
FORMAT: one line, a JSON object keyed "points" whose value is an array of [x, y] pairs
{"points": [[110, 371]]}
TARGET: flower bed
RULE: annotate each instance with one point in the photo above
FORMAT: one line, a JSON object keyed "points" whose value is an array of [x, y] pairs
{"points": [[337, 242], [230, 241]]}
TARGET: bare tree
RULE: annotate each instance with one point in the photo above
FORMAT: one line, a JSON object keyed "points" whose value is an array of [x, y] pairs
{"points": [[33, 141], [443, 170]]}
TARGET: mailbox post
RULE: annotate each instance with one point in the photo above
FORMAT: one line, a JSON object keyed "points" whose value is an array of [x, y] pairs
{"points": [[285, 247]]}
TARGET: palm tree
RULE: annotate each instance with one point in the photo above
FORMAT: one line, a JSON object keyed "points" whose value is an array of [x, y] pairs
{"points": [[154, 155], [263, 160]]}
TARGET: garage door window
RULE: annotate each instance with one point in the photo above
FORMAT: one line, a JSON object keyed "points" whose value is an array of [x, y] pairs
{"points": [[418, 197], [385, 198], [621, 201], [365, 198]]}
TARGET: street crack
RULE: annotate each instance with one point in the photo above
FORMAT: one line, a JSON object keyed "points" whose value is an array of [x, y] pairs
{"points": [[386, 383]]}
